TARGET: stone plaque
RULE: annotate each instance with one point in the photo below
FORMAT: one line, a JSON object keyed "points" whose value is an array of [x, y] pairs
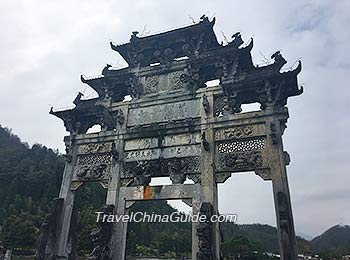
{"points": [[164, 112], [240, 132], [168, 152], [168, 140]]}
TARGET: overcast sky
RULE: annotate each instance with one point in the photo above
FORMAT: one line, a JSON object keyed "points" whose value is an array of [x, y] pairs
{"points": [[46, 45]]}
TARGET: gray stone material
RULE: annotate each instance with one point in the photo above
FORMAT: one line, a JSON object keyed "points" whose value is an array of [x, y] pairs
{"points": [[176, 126]]}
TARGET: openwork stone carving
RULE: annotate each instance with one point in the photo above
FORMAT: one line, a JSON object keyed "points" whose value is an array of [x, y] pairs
{"points": [[92, 172], [94, 161], [219, 105], [176, 168], [241, 145]]}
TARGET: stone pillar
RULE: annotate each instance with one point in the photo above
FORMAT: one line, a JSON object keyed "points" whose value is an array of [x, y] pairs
{"points": [[63, 250], [196, 204], [119, 232], [114, 197], [208, 181], [118, 240], [114, 185], [283, 207]]}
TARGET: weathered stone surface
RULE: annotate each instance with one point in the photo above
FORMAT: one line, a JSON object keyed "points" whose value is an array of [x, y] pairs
{"points": [[205, 233], [175, 126], [101, 237], [164, 113], [46, 243]]}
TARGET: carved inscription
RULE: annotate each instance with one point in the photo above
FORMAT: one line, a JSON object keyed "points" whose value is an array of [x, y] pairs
{"points": [[164, 113], [169, 152], [239, 132], [168, 140]]}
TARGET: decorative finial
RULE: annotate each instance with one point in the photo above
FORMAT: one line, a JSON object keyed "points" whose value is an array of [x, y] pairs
{"points": [[134, 35], [77, 99]]}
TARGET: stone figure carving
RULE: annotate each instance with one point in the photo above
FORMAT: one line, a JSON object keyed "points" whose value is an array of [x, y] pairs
{"points": [[284, 222], [46, 243], [119, 115], [101, 237], [205, 104], [241, 160], [92, 172], [176, 168], [107, 120], [205, 143], [205, 233]]}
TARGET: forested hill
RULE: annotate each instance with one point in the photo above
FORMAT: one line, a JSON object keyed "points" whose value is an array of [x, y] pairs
{"points": [[335, 240], [30, 178]]}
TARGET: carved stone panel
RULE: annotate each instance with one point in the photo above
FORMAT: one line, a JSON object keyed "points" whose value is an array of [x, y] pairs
{"points": [[241, 148], [248, 154], [168, 152], [95, 148], [93, 162], [176, 168], [219, 106], [153, 84], [164, 112], [162, 141], [241, 161], [240, 132], [241, 145]]}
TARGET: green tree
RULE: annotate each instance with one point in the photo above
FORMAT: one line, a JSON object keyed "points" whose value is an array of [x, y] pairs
{"points": [[19, 231]]}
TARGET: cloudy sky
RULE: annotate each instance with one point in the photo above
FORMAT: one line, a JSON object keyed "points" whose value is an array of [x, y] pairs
{"points": [[46, 45]]}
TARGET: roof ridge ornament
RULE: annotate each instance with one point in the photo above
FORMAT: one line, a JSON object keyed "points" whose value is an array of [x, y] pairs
{"points": [[182, 61]]}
